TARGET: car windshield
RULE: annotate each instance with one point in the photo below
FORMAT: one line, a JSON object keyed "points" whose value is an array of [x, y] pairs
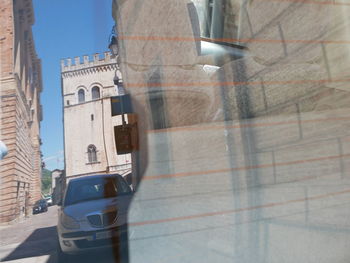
{"points": [[95, 188], [40, 202]]}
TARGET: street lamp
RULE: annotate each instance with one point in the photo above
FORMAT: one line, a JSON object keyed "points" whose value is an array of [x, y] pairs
{"points": [[125, 134], [118, 84], [113, 45], [113, 42]]}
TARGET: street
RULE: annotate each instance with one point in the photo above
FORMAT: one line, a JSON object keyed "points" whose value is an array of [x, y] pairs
{"points": [[35, 240]]}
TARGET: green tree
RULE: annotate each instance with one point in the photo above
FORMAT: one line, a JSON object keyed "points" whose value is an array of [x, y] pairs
{"points": [[46, 181]]}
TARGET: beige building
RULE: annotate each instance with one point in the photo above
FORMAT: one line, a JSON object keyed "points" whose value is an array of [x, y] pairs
{"points": [[20, 111], [87, 88], [57, 185], [242, 158], [55, 176]]}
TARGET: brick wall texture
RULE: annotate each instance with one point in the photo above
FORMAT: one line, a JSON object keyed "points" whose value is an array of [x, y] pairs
{"points": [[20, 170]]}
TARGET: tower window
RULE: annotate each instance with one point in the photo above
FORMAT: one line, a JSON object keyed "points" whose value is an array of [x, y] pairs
{"points": [[95, 93], [91, 151], [81, 96]]}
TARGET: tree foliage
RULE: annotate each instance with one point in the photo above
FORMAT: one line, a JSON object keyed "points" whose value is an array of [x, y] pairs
{"points": [[46, 181]]}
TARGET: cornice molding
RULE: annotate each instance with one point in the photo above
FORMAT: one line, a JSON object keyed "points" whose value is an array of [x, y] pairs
{"points": [[90, 70]]}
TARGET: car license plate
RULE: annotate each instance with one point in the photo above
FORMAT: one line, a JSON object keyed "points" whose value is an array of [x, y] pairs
{"points": [[103, 235]]}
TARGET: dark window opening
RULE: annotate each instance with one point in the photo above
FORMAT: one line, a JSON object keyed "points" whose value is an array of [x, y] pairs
{"points": [[95, 93], [92, 155], [81, 96]]}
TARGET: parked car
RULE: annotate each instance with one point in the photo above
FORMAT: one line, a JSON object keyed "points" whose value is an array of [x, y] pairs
{"points": [[40, 206], [93, 214], [49, 200]]}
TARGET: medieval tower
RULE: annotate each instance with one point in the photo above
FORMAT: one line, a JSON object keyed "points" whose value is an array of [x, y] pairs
{"points": [[87, 91]]}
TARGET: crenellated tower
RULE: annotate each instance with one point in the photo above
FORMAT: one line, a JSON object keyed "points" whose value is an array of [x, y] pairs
{"points": [[87, 90]]}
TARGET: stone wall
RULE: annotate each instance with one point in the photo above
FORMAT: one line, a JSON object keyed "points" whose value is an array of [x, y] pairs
{"points": [[6, 40], [266, 135], [290, 72], [20, 113]]}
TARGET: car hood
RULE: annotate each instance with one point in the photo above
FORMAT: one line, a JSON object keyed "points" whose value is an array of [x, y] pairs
{"points": [[79, 211]]}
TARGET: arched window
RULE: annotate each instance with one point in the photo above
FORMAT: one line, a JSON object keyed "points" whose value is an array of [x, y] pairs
{"points": [[95, 93], [81, 96], [91, 151]]}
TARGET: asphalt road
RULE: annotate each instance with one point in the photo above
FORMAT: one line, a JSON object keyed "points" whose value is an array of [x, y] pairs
{"points": [[32, 240], [35, 240]]}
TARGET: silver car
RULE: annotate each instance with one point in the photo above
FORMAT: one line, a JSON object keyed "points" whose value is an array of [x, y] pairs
{"points": [[93, 214]]}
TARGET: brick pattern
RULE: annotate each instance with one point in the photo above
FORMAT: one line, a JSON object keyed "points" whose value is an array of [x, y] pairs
{"points": [[20, 170], [6, 38]]}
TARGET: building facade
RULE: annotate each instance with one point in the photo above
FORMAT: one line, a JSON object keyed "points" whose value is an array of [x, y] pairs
{"points": [[57, 184], [20, 111], [87, 91], [256, 164]]}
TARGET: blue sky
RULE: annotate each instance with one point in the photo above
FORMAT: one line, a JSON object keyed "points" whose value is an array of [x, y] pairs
{"points": [[62, 29]]}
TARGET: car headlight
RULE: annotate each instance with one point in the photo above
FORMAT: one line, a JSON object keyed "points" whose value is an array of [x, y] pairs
{"points": [[69, 222]]}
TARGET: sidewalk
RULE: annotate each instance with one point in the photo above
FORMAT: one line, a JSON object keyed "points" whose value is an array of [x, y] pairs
{"points": [[14, 222]]}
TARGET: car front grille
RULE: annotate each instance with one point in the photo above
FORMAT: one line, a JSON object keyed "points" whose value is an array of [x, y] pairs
{"points": [[120, 236], [95, 220], [103, 219]]}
